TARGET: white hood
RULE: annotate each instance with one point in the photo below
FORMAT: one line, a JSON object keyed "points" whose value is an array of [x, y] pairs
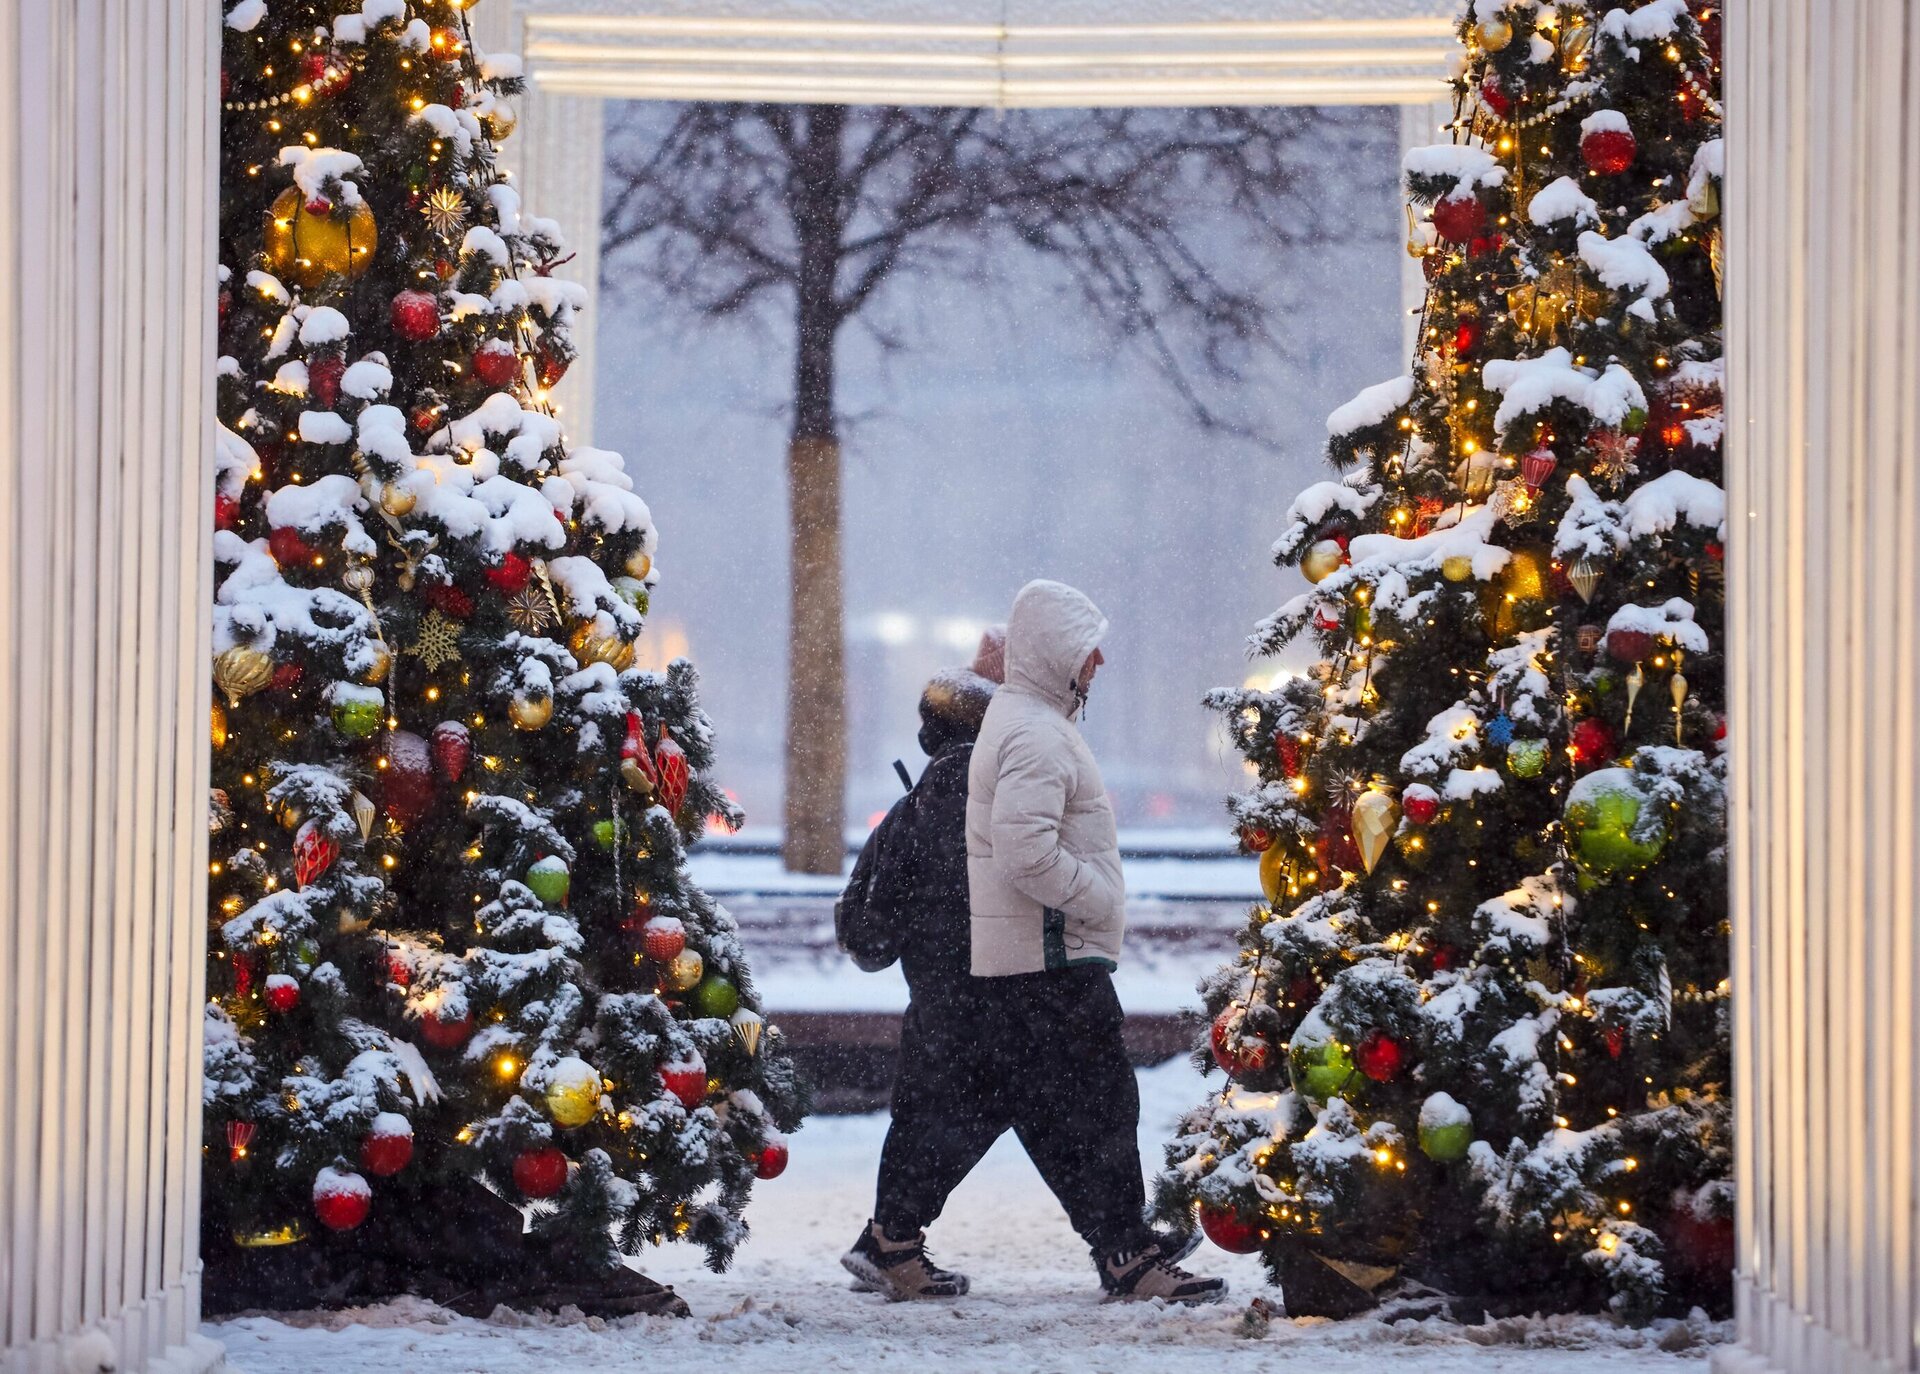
{"points": [[1050, 634]]}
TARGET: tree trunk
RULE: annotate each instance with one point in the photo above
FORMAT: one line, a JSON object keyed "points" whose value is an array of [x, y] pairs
{"points": [[816, 772]]}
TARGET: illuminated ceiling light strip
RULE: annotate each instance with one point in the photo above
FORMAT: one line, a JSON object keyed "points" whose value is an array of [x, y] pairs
{"points": [[549, 52], [1310, 30], [669, 85]]}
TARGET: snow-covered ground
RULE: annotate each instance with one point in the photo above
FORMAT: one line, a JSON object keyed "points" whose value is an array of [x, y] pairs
{"points": [[785, 1307]]}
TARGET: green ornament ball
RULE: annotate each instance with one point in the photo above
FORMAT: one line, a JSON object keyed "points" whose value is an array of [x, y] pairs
{"points": [[1527, 757], [550, 880], [1319, 1070], [632, 591], [358, 715], [716, 996], [1636, 420], [1614, 825], [606, 834], [1446, 1129]]}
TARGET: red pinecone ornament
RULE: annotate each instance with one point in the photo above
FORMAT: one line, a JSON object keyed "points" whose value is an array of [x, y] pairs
{"points": [[663, 939], [510, 575], [406, 783], [452, 746], [1592, 741]]}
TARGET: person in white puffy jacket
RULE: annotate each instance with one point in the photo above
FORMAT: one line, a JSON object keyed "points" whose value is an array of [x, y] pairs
{"points": [[1048, 906]]}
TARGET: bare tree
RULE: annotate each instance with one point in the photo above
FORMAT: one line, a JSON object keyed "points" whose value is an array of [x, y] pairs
{"points": [[814, 208]]}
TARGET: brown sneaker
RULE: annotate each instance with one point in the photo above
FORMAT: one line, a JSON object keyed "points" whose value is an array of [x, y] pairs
{"points": [[899, 1270], [1146, 1272]]}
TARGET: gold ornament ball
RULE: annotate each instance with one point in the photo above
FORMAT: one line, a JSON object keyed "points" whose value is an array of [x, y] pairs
{"points": [[358, 578], [686, 969], [591, 647], [639, 564], [1456, 567], [573, 1093], [1495, 34], [1322, 560], [382, 664], [219, 726], [1273, 872], [501, 121], [241, 671], [397, 501], [530, 713], [306, 248]]}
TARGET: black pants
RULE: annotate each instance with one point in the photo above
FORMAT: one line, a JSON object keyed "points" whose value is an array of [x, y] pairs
{"points": [[1040, 1053]]}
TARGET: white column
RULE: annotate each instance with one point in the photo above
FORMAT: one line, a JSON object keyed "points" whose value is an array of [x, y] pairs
{"points": [[555, 162], [556, 159], [108, 182], [1823, 341]]}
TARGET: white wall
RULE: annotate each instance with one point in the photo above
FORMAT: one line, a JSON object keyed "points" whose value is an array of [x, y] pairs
{"points": [[1823, 320], [107, 199]]}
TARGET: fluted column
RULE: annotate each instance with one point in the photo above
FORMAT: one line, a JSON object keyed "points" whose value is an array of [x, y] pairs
{"points": [[1823, 342], [108, 123]]}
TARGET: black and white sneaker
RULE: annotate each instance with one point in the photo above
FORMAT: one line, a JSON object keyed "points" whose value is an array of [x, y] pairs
{"points": [[1149, 1271], [899, 1270]]}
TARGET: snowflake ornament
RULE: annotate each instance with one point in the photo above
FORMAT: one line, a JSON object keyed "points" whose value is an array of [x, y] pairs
{"points": [[529, 612], [1614, 454], [438, 643]]}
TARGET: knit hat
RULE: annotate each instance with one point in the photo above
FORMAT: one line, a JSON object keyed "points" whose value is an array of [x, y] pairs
{"points": [[952, 707], [990, 659]]}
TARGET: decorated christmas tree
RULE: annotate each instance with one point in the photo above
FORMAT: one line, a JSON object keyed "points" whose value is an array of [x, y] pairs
{"points": [[453, 937], [1476, 1036]]}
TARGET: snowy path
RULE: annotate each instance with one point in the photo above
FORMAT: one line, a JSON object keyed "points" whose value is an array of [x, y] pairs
{"points": [[785, 1308]]}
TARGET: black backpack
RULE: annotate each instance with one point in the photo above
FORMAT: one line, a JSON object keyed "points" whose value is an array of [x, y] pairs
{"points": [[869, 931]]}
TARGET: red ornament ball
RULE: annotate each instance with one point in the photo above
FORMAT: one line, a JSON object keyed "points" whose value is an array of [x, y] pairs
{"points": [[688, 1082], [495, 363], [771, 1162], [1225, 1229], [1466, 335], [1608, 151], [1495, 98], [1592, 741], [1457, 218], [445, 1032], [319, 207], [1616, 1037], [283, 993], [1257, 838], [313, 67], [510, 575], [1629, 646], [226, 511], [415, 316], [399, 971], [406, 783], [1379, 1056], [1419, 803], [540, 1173], [1445, 957], [389, 1146], [1234, 1050], [289, 549], [341, 1200], [286, 676]]}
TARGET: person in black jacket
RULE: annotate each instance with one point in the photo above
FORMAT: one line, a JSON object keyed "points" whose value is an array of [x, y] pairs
{"points": [[908, 896]]}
